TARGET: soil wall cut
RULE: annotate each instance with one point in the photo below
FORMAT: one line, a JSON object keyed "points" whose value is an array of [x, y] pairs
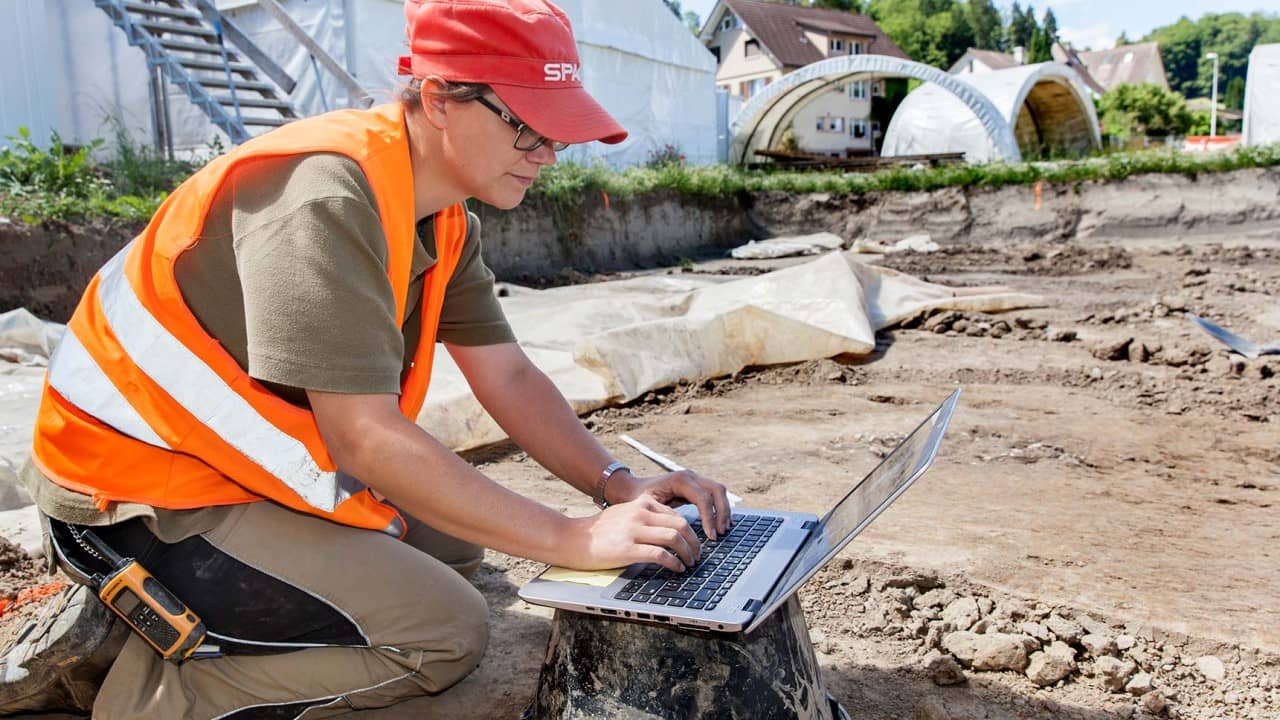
{"points": [[1141, 206], [45, 268]]}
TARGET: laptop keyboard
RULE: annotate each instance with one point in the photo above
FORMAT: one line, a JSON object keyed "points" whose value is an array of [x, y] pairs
{"points": [[704, 585]]}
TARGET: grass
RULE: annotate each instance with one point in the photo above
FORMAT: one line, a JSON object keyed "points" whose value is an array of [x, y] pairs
{"points": [[567, 183], [63, 183]]}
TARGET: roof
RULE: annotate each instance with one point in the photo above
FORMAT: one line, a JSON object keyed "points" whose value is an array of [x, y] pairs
{"points": [[780, 28], [1124, 65], [993, 59]]}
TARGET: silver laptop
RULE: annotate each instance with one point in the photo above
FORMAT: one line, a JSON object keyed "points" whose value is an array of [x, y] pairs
{"points": [[768, 554]]}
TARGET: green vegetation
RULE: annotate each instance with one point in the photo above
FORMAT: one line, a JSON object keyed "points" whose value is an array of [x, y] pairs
{"points": [[1144, 109], [64, 182], [568, 184], [1184, 44]]}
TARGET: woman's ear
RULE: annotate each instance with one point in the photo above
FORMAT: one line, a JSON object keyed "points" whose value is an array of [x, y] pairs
{"points": [[434, 105]]}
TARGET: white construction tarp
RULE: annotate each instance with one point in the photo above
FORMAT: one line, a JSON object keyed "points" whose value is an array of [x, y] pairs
{"points": [[609, 343], [638, 59], [1262, 96]]}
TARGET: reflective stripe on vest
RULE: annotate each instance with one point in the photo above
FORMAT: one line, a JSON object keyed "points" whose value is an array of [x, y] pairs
{"points": [[192, 384]]}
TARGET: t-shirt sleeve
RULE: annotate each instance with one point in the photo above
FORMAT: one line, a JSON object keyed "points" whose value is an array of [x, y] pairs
{"points": [[471, 314], [312, 260]]}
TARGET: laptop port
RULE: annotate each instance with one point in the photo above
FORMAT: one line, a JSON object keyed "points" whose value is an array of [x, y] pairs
{"points": [[643, 616], [607, 611], [662, 618]]}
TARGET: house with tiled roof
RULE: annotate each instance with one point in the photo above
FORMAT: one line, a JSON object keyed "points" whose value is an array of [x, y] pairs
{"points": [[979, 61], [756, 43], [1121, 65]]}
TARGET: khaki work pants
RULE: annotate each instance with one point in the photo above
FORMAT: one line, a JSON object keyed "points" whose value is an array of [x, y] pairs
{"points": [[425, 625]]}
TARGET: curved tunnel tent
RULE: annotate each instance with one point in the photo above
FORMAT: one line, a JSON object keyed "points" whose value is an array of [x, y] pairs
{"points": [[761, 121], [1262, 96], [1045, 105]]}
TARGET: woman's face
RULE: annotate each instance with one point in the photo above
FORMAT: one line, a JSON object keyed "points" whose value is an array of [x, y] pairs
{"points": [[480, 146]]}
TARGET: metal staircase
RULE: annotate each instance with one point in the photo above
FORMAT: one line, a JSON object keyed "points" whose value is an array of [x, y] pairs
{"points": [[188, 43]]}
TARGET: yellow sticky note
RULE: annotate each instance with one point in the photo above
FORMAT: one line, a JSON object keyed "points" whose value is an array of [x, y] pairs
{"points": [[598, 578]]}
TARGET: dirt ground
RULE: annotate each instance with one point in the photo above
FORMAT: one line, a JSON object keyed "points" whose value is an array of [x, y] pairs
{"points": [[1110, 473]]}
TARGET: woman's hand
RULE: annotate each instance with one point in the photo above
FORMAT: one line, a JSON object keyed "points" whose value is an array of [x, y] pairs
{"points": [[710, 497], [639, 531]]}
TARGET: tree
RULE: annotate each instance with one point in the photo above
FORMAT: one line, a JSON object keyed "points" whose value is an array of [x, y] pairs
{"points": [[1234, 98], [1050, 26], [984, 21], [850, 5], [1143, 109], [1184, 44], [1022, 26], [1039, 50], [934, 32], [690, 18]]}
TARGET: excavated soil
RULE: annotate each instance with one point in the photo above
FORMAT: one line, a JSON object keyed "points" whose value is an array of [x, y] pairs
{"points": [[1107, 494]]}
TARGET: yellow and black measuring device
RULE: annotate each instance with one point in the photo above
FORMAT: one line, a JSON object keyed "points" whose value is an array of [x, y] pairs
{"points": [[142, 602]]}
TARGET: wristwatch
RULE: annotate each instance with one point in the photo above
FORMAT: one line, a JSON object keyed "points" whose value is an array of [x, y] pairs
{"points": [[605, 474]]}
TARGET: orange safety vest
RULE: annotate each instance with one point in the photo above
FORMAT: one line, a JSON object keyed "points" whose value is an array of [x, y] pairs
{"points": [[142, 405]]}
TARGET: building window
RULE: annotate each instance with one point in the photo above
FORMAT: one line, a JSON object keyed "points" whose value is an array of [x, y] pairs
{"points": [[858, 89], [830, 124], [728, 22], [855, 48], [751, 47], [877, 89], [875, 128], [751, 87], [858, 128], [837, 45]]}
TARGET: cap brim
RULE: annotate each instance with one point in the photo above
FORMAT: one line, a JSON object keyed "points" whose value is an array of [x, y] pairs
{"points": [[568, 114]]}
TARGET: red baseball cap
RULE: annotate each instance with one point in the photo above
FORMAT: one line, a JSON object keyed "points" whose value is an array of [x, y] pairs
{"points": [[523, 49]]}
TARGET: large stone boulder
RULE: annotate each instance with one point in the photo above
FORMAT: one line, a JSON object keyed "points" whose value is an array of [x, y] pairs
{"points": [[994, 651]]}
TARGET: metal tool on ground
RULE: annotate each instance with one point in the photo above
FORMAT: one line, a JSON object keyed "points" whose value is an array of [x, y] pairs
{"points": [[1233, 341], [143, 603], [665, 462], [662, 461]]}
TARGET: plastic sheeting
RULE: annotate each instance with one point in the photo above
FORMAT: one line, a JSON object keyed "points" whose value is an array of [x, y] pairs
{"points": [[612, 342], [1262, 96], [609, 343], [638, 60], [1043, 104], [791, 246]]}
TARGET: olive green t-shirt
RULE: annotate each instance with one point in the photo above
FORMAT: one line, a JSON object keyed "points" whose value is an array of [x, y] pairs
{"points": [[290, 276]]}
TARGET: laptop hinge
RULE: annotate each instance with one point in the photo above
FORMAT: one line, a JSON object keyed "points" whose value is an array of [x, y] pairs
{"points": [[810, 524], [752, 606]]}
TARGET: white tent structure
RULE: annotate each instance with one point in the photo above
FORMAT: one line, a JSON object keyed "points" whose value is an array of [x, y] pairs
{"points": [[1262, 96], [763, 119], [1045, 104], [74, 71]]}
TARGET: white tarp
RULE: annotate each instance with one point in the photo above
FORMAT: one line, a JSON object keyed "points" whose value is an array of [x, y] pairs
{"points": [[1262, 96], [608, 343], [638, 59]]}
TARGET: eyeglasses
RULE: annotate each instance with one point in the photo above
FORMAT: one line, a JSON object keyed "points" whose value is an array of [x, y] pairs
{"points": [[527, 139]]}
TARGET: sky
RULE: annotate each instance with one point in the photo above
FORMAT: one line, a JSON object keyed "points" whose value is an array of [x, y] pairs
{"points": [[1096, 24]]}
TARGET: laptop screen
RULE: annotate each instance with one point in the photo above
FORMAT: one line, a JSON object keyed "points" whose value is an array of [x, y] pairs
{"points": [[867, 500]]}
